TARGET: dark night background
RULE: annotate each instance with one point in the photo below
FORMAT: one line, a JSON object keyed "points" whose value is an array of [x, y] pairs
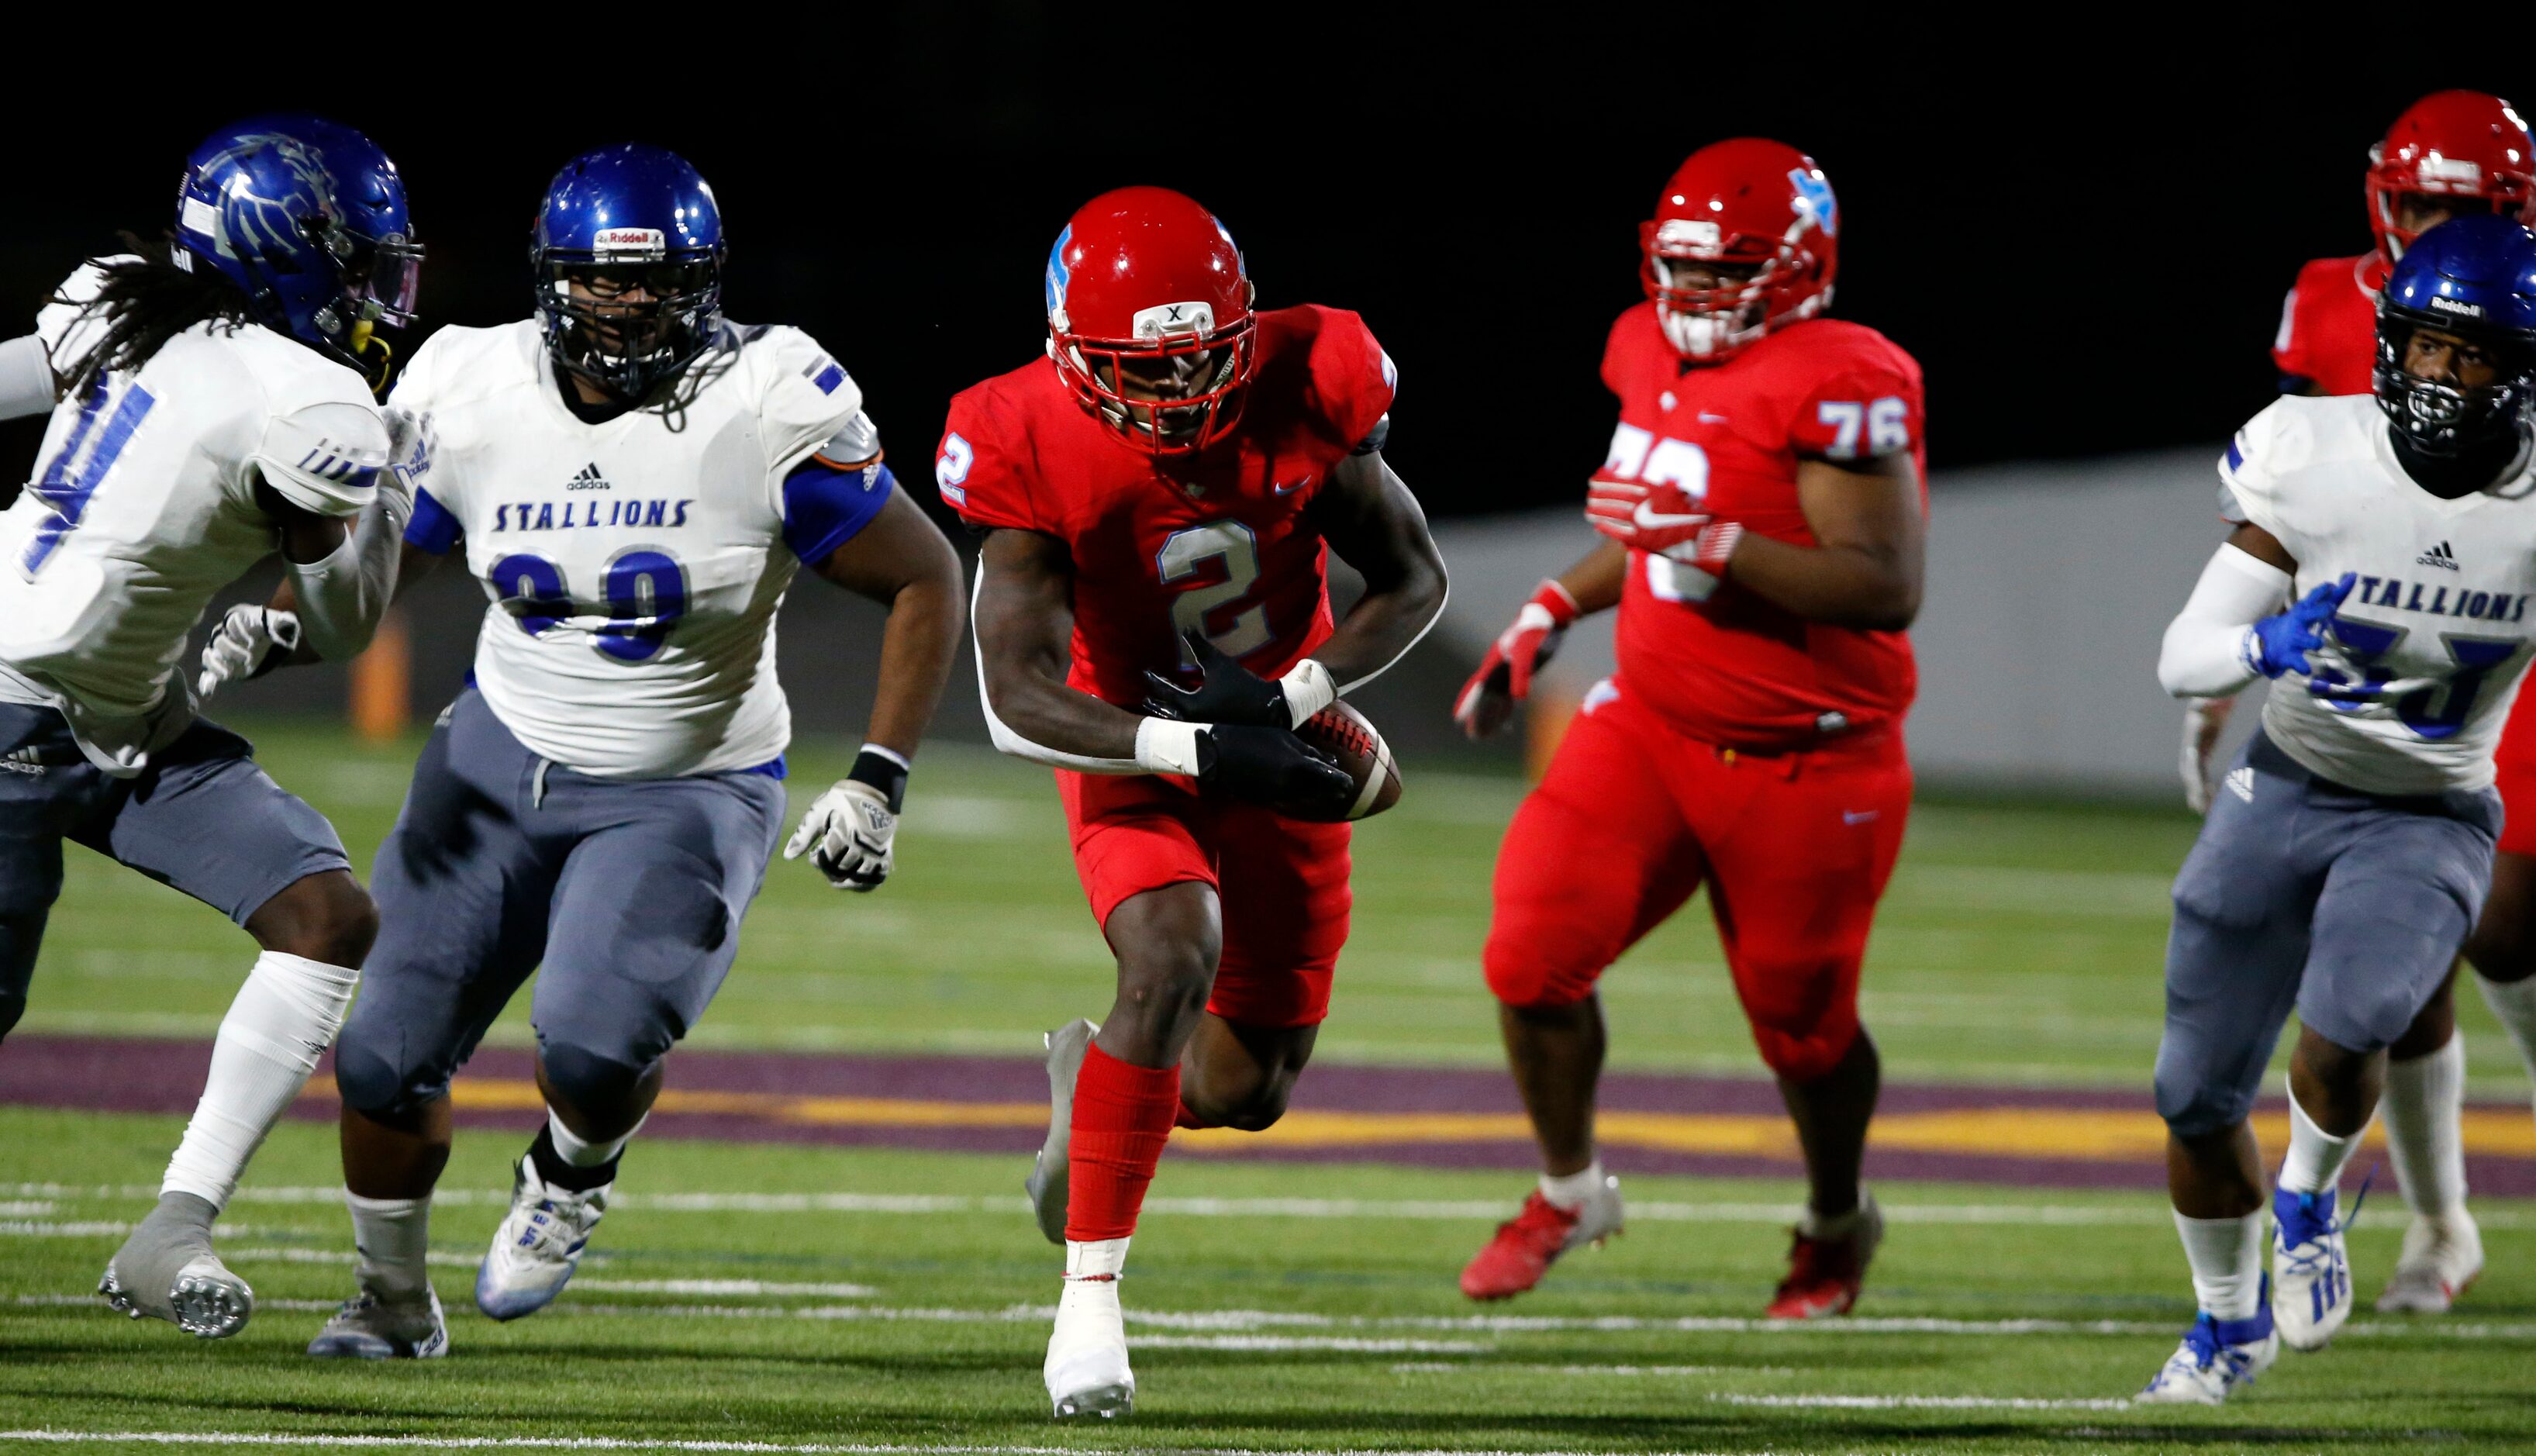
{"points": [[2085, 244]]}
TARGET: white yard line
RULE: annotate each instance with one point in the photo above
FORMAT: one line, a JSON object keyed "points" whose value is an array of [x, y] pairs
{"points": [[610, 1443], [2146, 1213], [1243, 1321], [1504, 1368], [1919, 1401]]}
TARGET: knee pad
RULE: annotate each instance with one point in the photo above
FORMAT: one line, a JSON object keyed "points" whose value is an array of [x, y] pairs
{"points": [[1522, 973], [1809, 1052], [371, 1080], [2196, 1106], [589, 1080]]}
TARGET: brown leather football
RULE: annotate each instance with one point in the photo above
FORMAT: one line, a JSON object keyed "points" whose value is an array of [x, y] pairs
{"points": [[1345, 736]]}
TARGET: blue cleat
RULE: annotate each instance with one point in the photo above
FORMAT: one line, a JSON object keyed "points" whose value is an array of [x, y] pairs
{"points": [[2310, 1269], [537, 1246], [2215, 1358]]}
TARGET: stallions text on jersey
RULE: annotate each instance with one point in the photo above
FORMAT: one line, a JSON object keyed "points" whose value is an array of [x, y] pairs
{"points": [[2424, 657], [634, 565], [1225, 549], [1736, 669], [144, 504]]}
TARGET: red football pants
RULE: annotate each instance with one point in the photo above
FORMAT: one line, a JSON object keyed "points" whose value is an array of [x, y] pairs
{"points": [[1634, 815], [2515, 765], [1282, 885]]}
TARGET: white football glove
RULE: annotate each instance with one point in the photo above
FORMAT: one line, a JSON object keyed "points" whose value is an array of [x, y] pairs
{"points": [[410, 439], [249, 642], [2203, 718], [847, 834]]}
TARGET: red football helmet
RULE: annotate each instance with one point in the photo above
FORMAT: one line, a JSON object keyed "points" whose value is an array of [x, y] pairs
{"points": [[1144, 276], [2451, 144], [1743, 204]]}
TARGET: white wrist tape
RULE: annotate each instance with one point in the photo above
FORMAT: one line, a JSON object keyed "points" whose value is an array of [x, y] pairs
{"points": [[1310, 688], [1166, 746]]}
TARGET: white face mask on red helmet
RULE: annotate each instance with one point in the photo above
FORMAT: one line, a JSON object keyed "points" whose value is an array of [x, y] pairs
{"points": [[1760, 209]]}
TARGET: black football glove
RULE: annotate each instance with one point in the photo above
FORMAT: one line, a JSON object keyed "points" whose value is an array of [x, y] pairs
{"points": [[1272, 767], [1225, 692]]}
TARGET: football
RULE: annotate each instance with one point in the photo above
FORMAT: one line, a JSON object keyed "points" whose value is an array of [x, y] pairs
{"points": [[1347, 736]]}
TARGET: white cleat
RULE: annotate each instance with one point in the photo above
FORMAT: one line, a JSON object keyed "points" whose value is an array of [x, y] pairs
{"points": [[1086, 1369], [537, 1246], [2214, 1361], [2442, 1257], [1047, 1182], [368, 1327], [2310, 1269], [166, 1270]]}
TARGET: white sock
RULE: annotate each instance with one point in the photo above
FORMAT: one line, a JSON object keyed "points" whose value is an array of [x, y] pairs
{"points": [[1101, 1258], [2227, 1259], [2515, 1004], [2316, 1159], [394, 1235], [576, 1153], [1571, 1191], [2424, 1103], [283, 1019]]}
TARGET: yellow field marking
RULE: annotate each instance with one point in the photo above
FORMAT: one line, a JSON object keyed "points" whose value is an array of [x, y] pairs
{"points": [[2072, 1134]]}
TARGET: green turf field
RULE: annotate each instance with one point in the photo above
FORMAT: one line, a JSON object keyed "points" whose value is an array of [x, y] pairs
{"points": [[920, 1324], [2019, 943], [900, 1302]]}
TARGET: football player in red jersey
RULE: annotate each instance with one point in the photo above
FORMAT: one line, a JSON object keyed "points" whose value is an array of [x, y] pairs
{"points": [[1160, 495], [2451, 152], [1766, 515]]}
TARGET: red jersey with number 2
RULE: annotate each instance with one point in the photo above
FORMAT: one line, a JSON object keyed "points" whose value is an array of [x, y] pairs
{"points": [[1218, 543], [2329, 325], [1737, 669]]}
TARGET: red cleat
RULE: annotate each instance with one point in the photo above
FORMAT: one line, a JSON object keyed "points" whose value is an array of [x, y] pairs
{"points": [[1527, 1245], [1826, 1275]]}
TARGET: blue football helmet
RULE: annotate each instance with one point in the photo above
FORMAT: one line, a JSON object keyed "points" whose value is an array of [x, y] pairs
{"points": [[2473, 277], [628, 253], [308, 218]]}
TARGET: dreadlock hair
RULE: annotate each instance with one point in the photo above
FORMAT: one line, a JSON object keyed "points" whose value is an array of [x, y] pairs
{"points": [[146, 301]]}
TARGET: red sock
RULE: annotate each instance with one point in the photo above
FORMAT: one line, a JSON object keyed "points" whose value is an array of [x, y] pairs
{"points": [[1122, 1116]]}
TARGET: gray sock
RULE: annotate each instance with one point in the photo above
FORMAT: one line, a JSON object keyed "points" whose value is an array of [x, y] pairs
{"points": [[144, 1275]]}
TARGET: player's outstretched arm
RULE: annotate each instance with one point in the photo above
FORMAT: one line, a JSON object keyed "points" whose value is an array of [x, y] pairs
{"points": [[1371, 519], [899, 559], [1872, 545], [251, 640], [1505, 677], [2234, 628]]}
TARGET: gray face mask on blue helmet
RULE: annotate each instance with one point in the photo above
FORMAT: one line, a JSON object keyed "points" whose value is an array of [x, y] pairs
{"points": [[627, 252], [2474, 279]]}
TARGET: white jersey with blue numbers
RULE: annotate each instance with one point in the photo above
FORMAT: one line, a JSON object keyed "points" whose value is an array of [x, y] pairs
{"points": [[635, 565], [142, 504], [2424, 656]]}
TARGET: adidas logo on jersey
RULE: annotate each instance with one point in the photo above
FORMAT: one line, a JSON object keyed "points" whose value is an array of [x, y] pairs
{"points": [[588, 477], [2441, 557], [2241, 783], [28, 761]]}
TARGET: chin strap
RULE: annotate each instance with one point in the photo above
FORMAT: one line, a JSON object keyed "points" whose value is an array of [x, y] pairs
{"points": [[364, 343]]}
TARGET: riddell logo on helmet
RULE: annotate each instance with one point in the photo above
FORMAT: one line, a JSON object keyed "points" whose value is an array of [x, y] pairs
{"points": [[1688, 233], [2436, 171], [649, 241], [2456, 305]]}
